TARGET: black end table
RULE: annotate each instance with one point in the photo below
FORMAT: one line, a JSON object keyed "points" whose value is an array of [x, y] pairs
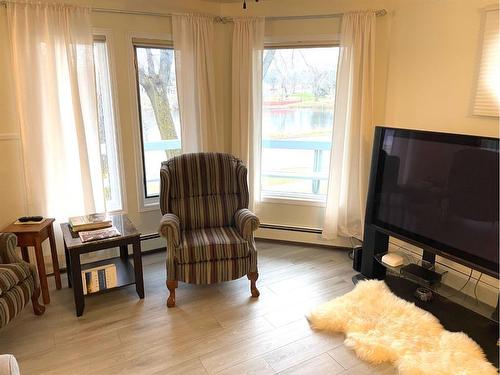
{"points": [[125, 272]]}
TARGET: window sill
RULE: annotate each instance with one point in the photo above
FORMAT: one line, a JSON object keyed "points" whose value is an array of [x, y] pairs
{"points": [[295, 201], [272, 199], [119, 211], [149, 204]]}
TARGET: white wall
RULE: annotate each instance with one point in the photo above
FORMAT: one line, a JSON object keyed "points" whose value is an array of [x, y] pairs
{"points": [[434, 52], [11, 166]]}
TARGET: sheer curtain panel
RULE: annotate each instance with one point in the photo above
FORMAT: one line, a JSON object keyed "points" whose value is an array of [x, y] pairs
{"points": [[194, 64], [53, 70], [248, 47], [353, 121]]}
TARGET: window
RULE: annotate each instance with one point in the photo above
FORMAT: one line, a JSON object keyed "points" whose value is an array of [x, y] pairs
{"points": [[110, 165], [158, 112], [297, 120], [487, 98]]}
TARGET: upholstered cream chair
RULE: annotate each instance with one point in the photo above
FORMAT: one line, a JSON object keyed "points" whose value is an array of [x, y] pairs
{"points": [[206, 221]]}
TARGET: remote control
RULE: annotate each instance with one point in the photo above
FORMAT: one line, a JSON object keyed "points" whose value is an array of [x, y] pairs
{"points": [[25, 219]]}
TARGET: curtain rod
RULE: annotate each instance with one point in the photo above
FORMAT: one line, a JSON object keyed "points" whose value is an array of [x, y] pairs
{"points": [[219, 19], [378, 13]]}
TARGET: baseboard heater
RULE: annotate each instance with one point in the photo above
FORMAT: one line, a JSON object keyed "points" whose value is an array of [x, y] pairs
{"points": [[152, 236], [149, 236], [290, 228]]}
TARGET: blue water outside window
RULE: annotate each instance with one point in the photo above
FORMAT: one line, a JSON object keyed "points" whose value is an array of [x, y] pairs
{"points": [[297, 120]]}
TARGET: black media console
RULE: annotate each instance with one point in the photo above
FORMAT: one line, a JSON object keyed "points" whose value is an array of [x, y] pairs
{"points": [[454, 317]]}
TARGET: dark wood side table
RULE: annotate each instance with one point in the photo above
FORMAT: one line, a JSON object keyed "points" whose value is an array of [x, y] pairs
{"points": [[34, 235], [126, 273]]}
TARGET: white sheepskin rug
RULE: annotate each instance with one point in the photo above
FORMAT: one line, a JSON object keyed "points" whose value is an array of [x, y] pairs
{"points": [[381, 327]]}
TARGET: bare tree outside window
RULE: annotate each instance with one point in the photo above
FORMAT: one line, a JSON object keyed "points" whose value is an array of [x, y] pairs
{"points": [[159, 109]]}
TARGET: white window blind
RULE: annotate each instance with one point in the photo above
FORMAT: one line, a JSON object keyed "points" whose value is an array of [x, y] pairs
{"points": [[486, 101]]}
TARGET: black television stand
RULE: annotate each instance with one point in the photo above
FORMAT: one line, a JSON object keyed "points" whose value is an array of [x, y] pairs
{"points": [[357, 278], [453, 316]]}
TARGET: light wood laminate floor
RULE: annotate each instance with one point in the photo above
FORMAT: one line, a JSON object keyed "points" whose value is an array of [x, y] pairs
{"points": [[216, 329]]}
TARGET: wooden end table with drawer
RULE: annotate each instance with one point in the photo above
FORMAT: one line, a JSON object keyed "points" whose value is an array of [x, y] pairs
{"points": [[127, 274]]}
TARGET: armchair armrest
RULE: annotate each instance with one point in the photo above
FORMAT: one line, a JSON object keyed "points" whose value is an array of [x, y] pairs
{"points": [[170, 228], [246, 222], [8, 243]]}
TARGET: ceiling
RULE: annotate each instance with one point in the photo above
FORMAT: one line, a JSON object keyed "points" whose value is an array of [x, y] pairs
{"points": [[229, 1]]}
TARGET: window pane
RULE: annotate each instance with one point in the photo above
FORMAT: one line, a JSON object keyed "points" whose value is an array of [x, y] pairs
{"points": [[159, 111], [297, 120], [487, 98], [107, 131]]}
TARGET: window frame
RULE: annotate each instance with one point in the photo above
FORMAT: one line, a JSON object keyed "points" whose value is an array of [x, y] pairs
{"points": [[285, 198], [152, 40], [106, 35]]}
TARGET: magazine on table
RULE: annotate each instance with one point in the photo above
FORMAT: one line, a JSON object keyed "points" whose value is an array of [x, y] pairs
{"points": [[99, 234]]}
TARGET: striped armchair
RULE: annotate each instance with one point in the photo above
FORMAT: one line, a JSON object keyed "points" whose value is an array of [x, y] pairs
{"points": [[208, 228], [18, 282]]}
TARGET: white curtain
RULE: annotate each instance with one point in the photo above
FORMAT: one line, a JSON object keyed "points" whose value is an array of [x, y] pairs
{"points": [[248, 47], [53, 70], [193, 37], [353, 123]]}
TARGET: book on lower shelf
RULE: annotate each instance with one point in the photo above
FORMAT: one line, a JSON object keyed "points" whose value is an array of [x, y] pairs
{"points": [[99, 278], [99, 234], [90, 222]]}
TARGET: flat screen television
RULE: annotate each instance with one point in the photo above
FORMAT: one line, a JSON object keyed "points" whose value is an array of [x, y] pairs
{"points": [[437, 191]]}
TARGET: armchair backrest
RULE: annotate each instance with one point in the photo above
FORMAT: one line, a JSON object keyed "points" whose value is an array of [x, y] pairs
{"points": [[203, 189], [8, 243]]}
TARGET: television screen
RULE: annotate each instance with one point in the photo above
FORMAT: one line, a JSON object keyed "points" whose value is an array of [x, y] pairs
{"points": [[439, 190]]}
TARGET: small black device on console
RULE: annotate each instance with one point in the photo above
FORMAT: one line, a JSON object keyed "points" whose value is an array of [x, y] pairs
{"points": [[420, 274], [423, 294], [356, 258]]}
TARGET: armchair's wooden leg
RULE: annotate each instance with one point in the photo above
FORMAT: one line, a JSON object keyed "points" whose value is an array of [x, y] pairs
{"points": [[171, 285], [253, 276], [37, 308]]}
